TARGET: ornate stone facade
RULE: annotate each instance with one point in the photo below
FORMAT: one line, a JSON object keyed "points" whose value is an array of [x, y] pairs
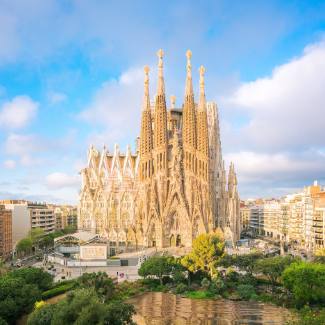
{"points": [[174, 187]]}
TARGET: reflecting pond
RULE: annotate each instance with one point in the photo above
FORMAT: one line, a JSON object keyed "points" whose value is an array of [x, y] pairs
{"points": [[167, 309]]}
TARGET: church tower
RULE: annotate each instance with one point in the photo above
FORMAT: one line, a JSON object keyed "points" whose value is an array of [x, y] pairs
{"points": [[202, 132], [146, 143], [160, 121], [189, 120]]}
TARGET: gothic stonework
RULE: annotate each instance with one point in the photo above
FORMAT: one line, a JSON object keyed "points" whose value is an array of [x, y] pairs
{"points": [[174, 187]]}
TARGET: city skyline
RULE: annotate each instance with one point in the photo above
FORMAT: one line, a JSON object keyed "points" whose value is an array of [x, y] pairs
{"points": [[61, 92]]}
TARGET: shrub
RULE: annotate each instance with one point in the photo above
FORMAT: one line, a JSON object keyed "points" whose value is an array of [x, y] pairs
{"points": [[42, 316], [205, 283], [217, 286], [199, 294], [160, 288], [3, 322], [181, 288], [58, 290], [246, 291], [306, 281], [179, 277], [308, 316]]}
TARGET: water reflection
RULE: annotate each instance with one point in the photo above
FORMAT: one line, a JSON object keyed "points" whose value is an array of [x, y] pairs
{"points": [[167, 309]]}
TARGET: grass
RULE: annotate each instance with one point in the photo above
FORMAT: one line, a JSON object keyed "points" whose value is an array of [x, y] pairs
{"points": [[199, 294]]}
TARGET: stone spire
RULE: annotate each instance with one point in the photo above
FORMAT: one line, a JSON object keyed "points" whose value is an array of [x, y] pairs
{"points": [[189, 86], [189, 120], [146, 143], [161, 82], [146, 98], [202, 104], [160, 129], [232, 179], [202, 131], [172, 101]]}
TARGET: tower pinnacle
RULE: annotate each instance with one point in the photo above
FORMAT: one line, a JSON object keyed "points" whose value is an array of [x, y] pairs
{"points": [[146, 99], [202, 91], [189, 87], [172, 101], [161, 83]]}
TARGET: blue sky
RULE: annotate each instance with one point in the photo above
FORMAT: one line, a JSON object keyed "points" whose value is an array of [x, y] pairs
{"points": [[71, 74]]}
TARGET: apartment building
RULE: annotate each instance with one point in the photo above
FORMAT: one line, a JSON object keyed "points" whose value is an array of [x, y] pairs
{"points": [[297, 218], [244, 216], [42, 216], [21, 223], [5, 232], [65, 216]]}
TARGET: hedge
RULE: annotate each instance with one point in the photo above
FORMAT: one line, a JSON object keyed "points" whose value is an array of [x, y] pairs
{"points": [[58, 290]]}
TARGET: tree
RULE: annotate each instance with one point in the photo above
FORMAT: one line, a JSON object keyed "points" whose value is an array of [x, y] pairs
{"points": [[16, 297], [157, 266], [36, 234], [306, 281], [83, 307], [24, 246], [319, 256], [101, 282], [118, 314], [33, 275], [69, 229], [207, 250], [46, 241], [244, 262], [3, 322], [42, 315], [272, 267], [3, 267], [308, 316]]}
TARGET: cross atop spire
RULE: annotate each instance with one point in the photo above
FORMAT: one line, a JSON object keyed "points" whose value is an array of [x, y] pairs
{"points": [[189, 86], [146, 99], [161, 83]]}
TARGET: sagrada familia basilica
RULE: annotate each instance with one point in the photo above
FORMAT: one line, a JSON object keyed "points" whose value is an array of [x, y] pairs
{"points": [[173, 187]]}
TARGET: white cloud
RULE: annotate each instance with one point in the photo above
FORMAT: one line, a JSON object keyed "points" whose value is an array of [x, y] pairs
{"points": [[56, 97], [61, 180], [253, 166], [18, 112], [116, 107], [286, 109], [9, 164], [23, 144]]}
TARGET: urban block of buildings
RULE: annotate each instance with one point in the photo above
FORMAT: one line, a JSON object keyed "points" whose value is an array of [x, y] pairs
{"points": [[173, 187], [297, 218], [19, 217]]}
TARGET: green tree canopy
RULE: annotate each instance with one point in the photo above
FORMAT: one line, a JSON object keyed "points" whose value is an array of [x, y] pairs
{"points": [[207, 250], [83, 307], [101, 282], [33, 275], [245, 262], [16, 297], [157, 266], [272, 267], [46, 241], [24, 246], [36, 235], [306, 281], [69, 229], [42, 315]]}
